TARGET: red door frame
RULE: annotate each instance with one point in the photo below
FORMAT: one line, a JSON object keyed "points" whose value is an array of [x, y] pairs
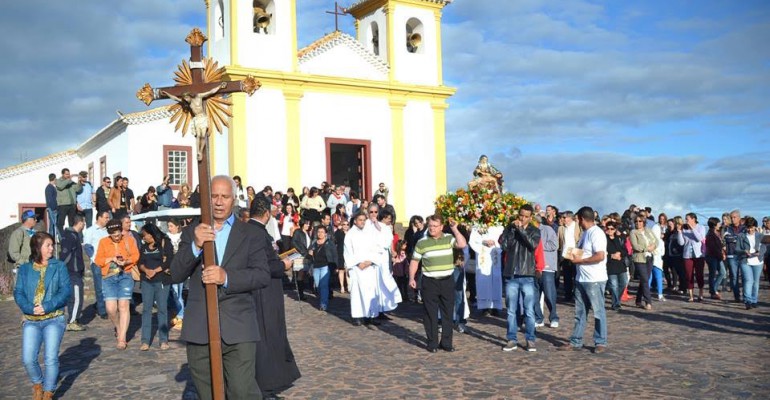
{"points": [[32, 206], [366, 163]]}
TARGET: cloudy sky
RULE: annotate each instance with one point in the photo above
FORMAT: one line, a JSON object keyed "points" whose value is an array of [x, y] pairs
{"points": [[659, 103]]}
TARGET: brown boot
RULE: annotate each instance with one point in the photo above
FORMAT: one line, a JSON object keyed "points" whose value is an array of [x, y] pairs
{"points": [[37, 391], [47, 395]]}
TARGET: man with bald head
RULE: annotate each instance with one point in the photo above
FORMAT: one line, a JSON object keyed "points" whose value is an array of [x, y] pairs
{"points": [[241, 267]]}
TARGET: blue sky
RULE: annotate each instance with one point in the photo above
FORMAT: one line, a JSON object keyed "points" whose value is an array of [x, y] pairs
{"points": [[659, 103]]}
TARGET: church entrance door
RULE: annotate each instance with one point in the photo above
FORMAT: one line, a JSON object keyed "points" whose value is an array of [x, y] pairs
{"points": [[348, 162]]}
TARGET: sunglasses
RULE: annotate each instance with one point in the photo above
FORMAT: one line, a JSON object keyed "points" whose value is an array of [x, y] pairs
{"points": [[372, 212], [610, 229]]}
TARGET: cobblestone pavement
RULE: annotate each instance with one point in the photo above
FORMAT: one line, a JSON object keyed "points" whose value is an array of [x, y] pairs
{"points": [[714, 349]]}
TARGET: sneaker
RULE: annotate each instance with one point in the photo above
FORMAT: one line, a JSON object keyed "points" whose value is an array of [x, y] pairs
{"points": [[600, 349], [510, 346], [661, 298], [75, 327], [461, 328], [555, 324], [531, 346], [539, 324]]}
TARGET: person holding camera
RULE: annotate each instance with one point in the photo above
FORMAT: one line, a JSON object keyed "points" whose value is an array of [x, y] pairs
{"points": [[116, 256], [692, 236]]}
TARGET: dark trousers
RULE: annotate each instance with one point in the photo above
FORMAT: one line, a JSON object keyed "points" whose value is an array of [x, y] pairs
{"points": [[88, 214], [239, 364], [438, 294], [96, 274], [568, 271], [403, 284], [75, 302], [67, 211], [643, 292]]}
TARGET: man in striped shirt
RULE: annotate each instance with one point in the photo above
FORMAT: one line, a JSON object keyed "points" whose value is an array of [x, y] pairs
{"points": [[435, 252]]}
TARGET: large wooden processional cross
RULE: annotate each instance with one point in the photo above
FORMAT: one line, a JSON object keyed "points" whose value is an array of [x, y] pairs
{"points": [[201, 108]]}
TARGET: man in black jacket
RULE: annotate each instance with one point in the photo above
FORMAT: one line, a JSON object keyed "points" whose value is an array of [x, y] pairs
{"points": [[242, 267], [276, 368], [72, 255], [519, 242]]}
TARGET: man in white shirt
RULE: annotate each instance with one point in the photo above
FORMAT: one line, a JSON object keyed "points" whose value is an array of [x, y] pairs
{"points": [[91, 238], [591, 262]]}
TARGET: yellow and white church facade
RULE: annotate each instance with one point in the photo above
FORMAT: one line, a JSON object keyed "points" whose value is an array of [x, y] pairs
{"points": [[346, 110]]}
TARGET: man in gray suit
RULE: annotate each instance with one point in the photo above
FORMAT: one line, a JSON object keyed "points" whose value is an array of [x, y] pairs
{"points": [[241, 252]]}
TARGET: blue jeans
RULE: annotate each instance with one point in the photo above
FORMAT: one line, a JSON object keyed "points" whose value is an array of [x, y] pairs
{"points": [[321, 283], [716, 274], [96, 273], [459, 309], [657, 275], [591, 294], [35, 333], [154, 293], [750, 281], [735, 269], [53, 218], [520, 285], [617, 284], [547, 286], [177, 299]]}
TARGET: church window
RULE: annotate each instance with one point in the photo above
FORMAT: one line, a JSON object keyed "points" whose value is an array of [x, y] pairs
{"points": [[177, 164], [373, 37], [219, 18], [414, 36], [102, 168]]}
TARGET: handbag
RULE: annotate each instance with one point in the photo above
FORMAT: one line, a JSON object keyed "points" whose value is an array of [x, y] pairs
{"points": [[135, 275]]}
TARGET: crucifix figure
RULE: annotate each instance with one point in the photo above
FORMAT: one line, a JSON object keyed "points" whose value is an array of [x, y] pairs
{"points": [[200, 107], [200, 121], [337, 12]]}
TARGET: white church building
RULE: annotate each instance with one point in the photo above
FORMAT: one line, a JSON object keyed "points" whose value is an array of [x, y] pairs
{"points": [[355, 111]]}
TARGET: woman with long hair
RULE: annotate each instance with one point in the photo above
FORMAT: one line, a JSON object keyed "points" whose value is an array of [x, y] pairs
{"points": [[41, 292], [691, 238], [175, 235], [116, 256], [323, 253], [300, 241], [250, 194], [154, 263], [715, 254], [339, 239], [674, 251], [312, 205], [339, 216], [288, 221], [643, 243], [290, 198], [617, 272], [116, 197]]}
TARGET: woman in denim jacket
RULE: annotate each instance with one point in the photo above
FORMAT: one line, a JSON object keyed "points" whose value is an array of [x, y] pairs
{"points": [[41, 292], [750, 251]]}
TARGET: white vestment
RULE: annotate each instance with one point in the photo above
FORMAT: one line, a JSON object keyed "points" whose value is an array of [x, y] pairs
{"points": [[364, 300], [387, 290], [489, 280]]}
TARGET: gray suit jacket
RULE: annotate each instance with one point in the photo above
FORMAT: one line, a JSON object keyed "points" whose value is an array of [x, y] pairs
{"points": [[245, 261]]}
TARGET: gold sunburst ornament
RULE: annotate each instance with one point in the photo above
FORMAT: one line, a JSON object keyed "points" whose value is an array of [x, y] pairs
{"points": [[217, 108]]}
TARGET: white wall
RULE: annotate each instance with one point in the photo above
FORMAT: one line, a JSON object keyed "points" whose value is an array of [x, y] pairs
{"points": [[419, 157], [30, 187], [342, 61], [266, 140]]}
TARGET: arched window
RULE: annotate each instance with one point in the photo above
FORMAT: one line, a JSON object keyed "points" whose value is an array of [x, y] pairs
{"points": [[415, 36], [219, 20], [373, 38]]}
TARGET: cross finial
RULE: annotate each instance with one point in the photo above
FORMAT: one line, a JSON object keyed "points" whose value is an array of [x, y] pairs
{"points": [[337, 12]]}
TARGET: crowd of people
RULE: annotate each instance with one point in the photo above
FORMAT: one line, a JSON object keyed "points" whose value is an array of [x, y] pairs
{"points": [[329, 239]]}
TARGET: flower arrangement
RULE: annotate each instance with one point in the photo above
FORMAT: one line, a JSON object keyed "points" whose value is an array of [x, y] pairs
{"points": [[479, 207]]}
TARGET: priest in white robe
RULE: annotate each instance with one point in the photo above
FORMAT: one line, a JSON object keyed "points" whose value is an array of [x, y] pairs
{"points": [[379, 226], [489, 285], [360, 259]]}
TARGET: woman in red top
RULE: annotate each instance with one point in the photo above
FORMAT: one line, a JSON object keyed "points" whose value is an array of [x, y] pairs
{"points": [[339, 216], [288, 221]]}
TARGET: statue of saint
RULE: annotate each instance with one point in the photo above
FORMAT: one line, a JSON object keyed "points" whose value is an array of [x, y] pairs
{"points": [[486, 176], [200, 121]]}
